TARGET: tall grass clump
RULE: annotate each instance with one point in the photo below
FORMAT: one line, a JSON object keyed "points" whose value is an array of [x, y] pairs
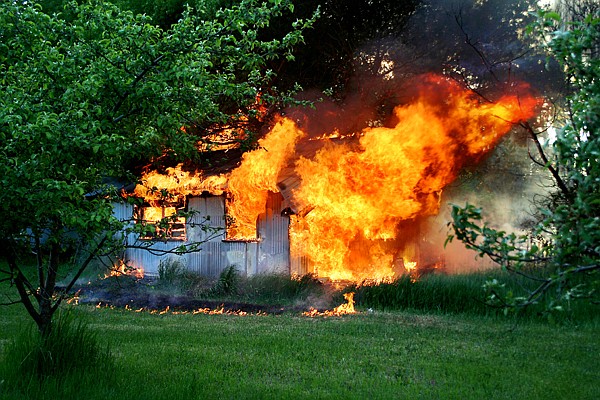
{"points": [[228, 282], [282, 289], [431, 293], [175, 278], [170, 272], [461, 293], [232, 285], [267, 288], [70, 348]]}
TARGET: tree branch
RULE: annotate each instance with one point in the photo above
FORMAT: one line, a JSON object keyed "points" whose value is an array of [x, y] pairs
{"points": [[554, 171], [137, 79], [480, 54], [40, 261], [10, 303], [21, 283], [82, 267]]}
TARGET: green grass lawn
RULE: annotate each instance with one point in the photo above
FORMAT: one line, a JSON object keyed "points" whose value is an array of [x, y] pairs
{"points": [[378, 355]]}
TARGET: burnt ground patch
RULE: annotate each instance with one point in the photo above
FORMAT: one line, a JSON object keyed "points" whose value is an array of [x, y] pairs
{"points": [[125, 292]]}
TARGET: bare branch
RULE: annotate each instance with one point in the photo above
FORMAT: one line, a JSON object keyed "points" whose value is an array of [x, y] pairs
{"points": [[82, 267], [10, 303], [523, 274], [553, 170], [489, 66], [183, 249], [534, 160]]}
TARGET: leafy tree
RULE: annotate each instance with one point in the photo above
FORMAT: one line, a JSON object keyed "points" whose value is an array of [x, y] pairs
{"points": [[83, 97], [562, 253], [164, 13], [332, 44]]}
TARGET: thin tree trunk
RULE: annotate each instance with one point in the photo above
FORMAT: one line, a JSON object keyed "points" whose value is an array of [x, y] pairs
{"points": [[24, 287], [46, 309]]}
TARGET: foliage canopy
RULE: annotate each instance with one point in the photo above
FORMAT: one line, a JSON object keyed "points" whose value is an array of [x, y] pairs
{"points": [[82, 98]]}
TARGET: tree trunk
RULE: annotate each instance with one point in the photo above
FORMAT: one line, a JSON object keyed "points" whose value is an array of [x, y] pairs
{"points": [[47, 288], [44, 322]]}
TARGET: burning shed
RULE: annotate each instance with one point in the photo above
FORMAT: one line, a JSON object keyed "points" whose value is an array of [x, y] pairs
{"points": [[207, 226], [342, 205]]}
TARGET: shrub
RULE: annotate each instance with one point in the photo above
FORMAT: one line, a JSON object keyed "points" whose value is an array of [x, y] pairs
{"points": [[228, 282], [281, 288], [169, 272]]}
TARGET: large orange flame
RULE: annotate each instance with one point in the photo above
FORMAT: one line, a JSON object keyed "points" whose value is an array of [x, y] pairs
{"points": [[176, 183], [360, 194], [356, 196], [250, 183]]}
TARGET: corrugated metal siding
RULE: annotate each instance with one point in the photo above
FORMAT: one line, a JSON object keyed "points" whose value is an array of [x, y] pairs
{"points": [[269, 254], [211, 259], [273, 232], [206, 207], [243, 255], [123, 211], [215, 256], [300, 265], [141, 258]]}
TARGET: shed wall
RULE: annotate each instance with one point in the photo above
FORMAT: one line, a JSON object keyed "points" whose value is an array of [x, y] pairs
{"points": [[269, 254]]}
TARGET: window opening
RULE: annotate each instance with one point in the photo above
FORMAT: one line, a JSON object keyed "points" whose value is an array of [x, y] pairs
{"points": [[236, 230], [163, 221]]}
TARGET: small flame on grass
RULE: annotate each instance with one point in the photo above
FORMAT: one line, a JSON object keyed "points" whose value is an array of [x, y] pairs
{"points": [[74, 299], [167, 310], [411, 269], [342, 309], [410, 266], [123, 269]]}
